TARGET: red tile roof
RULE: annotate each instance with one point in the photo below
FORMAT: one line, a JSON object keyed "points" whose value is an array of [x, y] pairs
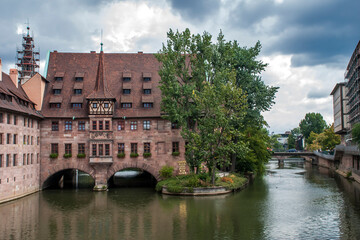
{"points": [[7, 87], [106, 83]]}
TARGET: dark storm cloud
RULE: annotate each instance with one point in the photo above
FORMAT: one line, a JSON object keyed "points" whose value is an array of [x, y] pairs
{"points": [[198, 9], [318, 31]]}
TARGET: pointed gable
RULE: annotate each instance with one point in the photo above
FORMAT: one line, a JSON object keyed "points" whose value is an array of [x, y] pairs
{"points": [[100, 90]]}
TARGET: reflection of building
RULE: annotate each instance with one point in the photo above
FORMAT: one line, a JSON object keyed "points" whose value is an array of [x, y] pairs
{"points": [[283, 139], [340, 107]]}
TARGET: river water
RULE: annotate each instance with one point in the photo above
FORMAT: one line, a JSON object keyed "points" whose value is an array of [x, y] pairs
{"points": [[296, 201]]}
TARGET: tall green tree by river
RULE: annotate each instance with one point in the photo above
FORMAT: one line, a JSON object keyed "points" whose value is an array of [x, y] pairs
{"points": [[214, 93]]}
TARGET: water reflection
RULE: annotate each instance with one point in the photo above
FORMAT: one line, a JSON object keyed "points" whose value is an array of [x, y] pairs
{"points": [[294, 201]]}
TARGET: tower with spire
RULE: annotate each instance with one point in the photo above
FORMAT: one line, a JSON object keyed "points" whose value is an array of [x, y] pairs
{"points": [[27, 58]]}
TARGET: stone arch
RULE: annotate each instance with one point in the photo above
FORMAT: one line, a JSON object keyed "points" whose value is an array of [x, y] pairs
{"points": [[70, 165], [141, 165]]}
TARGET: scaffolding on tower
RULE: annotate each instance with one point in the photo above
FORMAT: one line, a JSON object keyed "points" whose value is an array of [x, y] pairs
{"points": [[27, 58]]}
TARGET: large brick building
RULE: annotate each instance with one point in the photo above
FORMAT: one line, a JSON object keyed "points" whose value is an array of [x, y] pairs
{"points": [[19, 139], [102, 114]]}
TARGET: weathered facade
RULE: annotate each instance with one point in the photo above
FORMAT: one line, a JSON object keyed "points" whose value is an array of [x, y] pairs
{"points": [[19, 140], [340, 109], [102, 114]]}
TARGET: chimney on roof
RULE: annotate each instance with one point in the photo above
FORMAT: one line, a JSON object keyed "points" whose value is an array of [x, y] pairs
{"points": [[14, 76], [0, 70], [140, 52]]}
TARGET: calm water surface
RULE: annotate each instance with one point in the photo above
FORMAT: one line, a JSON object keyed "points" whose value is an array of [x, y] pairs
{"points": [[294, 202]]}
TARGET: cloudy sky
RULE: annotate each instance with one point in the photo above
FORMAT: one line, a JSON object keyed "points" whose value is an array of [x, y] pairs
{"points": [[307, 43]]}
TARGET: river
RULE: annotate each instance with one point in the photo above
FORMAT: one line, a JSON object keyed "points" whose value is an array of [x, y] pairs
{"points": [[296, 201]]}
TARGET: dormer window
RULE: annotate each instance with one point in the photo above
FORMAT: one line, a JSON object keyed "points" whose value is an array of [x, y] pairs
{"points": [[79, 76], [126, 79], [77, 91], [58, 78], [126, 91], [55, 105], [147, 105], [126, 76], [94, 105], [147, 79], [79, 79], [57, 91]]}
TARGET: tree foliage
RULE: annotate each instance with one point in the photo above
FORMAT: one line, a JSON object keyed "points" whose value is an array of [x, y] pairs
{"points": [[313, 122], [355, 132], [213, 92], [326, 141]]}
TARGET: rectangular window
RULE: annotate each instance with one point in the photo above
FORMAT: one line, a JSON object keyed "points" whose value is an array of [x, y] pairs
{"points": [[1, 138], [68, 125], [55, 105], [107, 125], [79, 79], [32, 123], [147, 91], [1, 160], [7, 160], [14, 160], [101, 126], [24, 139], [175, 147], [174, 126], [121, 148], [81, 148], [107, 149], [101, 149], [148, 105], [121, 125], [133, 125], [15, 120], [55, 148], [147, 79], [24, 121], [58, 78], [94, 125], [56, 91], [76, 105], [126, 79], [77, 91], [28, 122], [32, 159], [126, 91], [37, 157], [126, 105], [146, 125], [133, 147], [8, 118], [15, 139], [147, 147], [81, 126], [94, 149], [24, 159], [32, 140], [1, 117], [8, 137], [27, 159], [28, 140], [37, 140], [67, 148]]}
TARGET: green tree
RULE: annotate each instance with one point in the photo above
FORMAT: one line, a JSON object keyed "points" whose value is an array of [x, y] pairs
{"points": [[313, 122], [199, 92], [327, 140], [275, 144], [291, 141], [355, 132]]}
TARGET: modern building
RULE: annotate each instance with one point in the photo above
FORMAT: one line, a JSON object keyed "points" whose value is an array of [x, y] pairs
{"points": [[340, 109], [19, 139]]}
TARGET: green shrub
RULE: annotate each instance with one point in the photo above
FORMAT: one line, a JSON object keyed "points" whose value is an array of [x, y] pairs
{"points": [[146, 155], [166, 172], [193, 181], [348, 174], [121, 155], [134, 155], [67, 155], [81, 155], [54, 155], [175, 153]]}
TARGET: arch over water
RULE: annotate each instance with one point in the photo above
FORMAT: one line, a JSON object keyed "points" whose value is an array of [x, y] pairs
{"points": [[51, 171], [141, 165]]}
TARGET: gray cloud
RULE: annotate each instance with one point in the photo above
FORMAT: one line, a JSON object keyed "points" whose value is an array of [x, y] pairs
{"points": [[198, 10], [317, 94]]}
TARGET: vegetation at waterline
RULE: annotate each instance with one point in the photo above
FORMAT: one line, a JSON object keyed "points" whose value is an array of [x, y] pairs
{"points": [[214, 92], [187, 183]]}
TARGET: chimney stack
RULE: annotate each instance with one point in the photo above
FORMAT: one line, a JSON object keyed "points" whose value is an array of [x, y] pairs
{"points": [[0, 70], [14, 76]]}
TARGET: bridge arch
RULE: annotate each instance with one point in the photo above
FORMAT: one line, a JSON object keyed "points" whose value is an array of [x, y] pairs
{"points": [[137, 164], [71, 165]]}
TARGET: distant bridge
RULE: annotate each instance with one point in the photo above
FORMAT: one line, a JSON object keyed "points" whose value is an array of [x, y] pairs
{"points": [[281, 156]]}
